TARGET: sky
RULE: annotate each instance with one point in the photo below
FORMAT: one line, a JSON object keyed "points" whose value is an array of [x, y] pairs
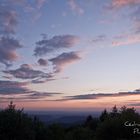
{"points": [[70, 54]]}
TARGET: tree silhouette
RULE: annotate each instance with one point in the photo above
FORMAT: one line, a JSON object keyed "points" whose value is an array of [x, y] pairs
{"points": [[11, 106], [113, 127], [104, 115], [91, 123], [17, 125]]}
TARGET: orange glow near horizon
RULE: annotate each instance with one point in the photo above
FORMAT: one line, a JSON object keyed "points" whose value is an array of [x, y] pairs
{"points": [[88, 104]]}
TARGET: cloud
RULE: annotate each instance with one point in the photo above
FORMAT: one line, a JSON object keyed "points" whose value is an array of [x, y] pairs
{"points": [[12, 90], [99, 95], [99, 38], [136, 19], [126, 40], [12, 87], [132, 9], [37, 94], [33, 97], [132, 12], [122, 3], [137, 27], [75, 7], [9, 13], [27, 72], [8, 47], [42, 80], [42, 62], [40, 3], [36, 10], [64, 59], [8, 19], [45, 46]]}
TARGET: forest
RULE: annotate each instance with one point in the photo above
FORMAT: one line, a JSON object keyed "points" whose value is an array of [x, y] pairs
{"points": [[118, 124]]}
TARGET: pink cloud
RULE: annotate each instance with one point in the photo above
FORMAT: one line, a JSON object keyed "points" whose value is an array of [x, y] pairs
{"points": [[128, 40], [121, 3]]}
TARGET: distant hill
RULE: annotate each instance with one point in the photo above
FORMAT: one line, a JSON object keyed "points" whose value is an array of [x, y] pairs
{"points": [[66, 118]]}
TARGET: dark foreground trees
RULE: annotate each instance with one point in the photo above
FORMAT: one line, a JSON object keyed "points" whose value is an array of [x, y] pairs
{"points": [[16, 125], [119, 124]]}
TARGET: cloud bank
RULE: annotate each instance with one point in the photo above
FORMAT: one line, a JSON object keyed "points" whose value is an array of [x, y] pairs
{"points": [[18, 91], [99, 95]]}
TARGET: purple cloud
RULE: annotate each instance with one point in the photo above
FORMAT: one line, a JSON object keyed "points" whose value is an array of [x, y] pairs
{"points": [[8, 18], [18, 91], [37, 94], [12, 87], [9, 13], [42, 62], [27, 72], [45, 46], [99, 95], [64, 59], [8, 47]]}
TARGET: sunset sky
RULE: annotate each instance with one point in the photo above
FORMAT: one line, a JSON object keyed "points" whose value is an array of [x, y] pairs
{"points": [[70, 54]]}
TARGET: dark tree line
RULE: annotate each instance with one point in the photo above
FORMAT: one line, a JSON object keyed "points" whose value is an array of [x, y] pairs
{"points": [[16, 125]]}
